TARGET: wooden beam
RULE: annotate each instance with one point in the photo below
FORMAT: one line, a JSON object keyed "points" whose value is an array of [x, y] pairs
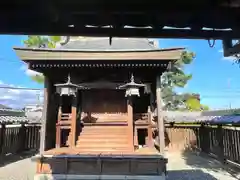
{"points": [[150, 132], [73, 122], [44, 116], [229, 49], [150, 118], [58, 128], [160, 121], [130, 124], [56, 29]]}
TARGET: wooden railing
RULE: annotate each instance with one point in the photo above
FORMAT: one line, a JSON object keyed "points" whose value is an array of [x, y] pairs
{"points": [[220, 141], [18, 138]]}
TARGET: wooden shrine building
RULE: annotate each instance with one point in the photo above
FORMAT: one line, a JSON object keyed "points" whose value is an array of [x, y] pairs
{"points": [[100, 108]]}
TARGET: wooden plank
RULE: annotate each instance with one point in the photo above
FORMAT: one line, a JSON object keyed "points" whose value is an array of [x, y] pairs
{"points": [[58, 128], [74, 121], [130, 124], [160, 116], [110, 140], [53, 29], [150, 132]]}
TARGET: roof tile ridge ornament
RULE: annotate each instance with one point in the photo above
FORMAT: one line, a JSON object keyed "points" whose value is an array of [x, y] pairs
{"points": [[69, 79], [132, 83]]}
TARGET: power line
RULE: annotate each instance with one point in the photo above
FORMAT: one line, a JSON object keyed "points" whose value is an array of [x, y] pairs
{"points": [[202, 96], [20, 88]]}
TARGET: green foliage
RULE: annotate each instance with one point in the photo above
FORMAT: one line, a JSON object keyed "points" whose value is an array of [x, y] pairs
{"points": [[38, 78], [193, 104], [176, 77], [205, 107], [41, 42], [36, 41]]}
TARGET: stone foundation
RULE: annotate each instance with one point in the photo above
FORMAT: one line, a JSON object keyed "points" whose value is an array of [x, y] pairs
{"points": [[95, 177], [119, 167]]}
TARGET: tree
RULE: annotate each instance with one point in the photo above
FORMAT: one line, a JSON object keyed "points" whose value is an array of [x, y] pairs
{"points": [[39, 78], [193, 104], [42, 42], [176, 77]]}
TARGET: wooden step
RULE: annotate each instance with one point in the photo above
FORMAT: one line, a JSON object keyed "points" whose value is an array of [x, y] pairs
{"points": [[104, 129], [102, 145], [102, 137], [100, 151], [122, 120], [97, 128], [120, 141], [103, 133]]}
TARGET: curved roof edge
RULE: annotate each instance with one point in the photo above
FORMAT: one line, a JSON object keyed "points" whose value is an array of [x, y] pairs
{"points": [[29, 54], [95, 51]]}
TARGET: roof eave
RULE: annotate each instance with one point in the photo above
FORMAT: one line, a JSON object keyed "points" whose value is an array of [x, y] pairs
{"points": [[33, 54]]}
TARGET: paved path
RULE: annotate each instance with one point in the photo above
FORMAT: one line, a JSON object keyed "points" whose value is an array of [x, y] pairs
{"points": [[192, 167], [180, 167]]}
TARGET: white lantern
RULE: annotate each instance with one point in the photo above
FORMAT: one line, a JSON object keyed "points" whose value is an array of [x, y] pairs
{"points": [[68, 88], [132, 88]]}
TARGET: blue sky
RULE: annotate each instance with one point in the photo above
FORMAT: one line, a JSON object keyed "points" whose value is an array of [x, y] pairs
{"points": [[13, 73], [214, 77]]}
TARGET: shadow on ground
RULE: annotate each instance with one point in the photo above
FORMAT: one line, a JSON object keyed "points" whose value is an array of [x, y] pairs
{"points": [[189, 175], [201, 160], [8, 159]]}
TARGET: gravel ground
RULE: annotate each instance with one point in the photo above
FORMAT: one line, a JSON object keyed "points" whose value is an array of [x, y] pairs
{"points": [[180, 167]]}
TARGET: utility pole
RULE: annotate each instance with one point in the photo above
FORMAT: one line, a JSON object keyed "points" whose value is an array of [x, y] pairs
{"points": [[38, 98]]}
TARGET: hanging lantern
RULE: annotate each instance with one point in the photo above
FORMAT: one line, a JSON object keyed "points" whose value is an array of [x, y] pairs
{"points": [[68, 88], [132, 88]]}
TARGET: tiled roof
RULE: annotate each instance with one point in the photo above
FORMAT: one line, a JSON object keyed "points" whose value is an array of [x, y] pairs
{"points": [[13, 119], [175, 116], [226, 119], [4, 107], [104, 45], [11, 110], [13, 116], [189, 117]]}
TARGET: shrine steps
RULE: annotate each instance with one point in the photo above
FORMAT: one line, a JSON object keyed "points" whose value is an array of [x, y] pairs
{"points": [[103, 138]]}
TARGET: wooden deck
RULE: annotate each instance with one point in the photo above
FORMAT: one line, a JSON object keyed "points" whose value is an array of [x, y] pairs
{"points": [[78, 151]]}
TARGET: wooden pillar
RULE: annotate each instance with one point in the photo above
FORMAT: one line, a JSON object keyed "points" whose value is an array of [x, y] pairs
{"points": [[150, 132], [73, 121], [44, 116], [152, 102], [150, 118], [58, 127], [130, 124], [160, 121]]}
